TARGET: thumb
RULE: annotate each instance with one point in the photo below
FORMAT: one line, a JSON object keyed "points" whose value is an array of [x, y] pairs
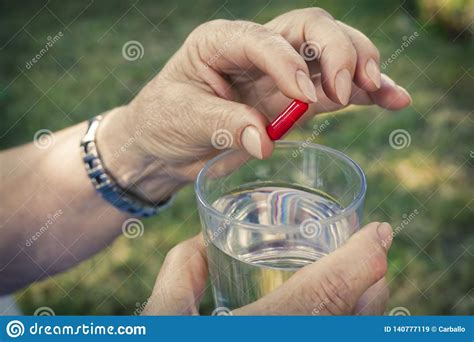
{"points": [[238, 126], [332, 285], [181, 282]]}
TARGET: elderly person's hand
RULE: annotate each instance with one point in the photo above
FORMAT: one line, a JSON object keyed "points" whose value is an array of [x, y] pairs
{"points": [[223, 85], [348, 281]]}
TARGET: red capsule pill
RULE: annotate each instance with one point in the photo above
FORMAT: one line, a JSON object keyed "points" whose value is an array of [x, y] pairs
{"points": [[283, 122]]}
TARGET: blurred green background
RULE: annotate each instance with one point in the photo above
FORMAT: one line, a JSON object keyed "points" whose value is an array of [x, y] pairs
{"points": [[428, 183]]}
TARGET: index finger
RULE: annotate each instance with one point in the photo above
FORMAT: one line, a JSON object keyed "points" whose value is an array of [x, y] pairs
{"points": [[233, 47], [314, 28]]}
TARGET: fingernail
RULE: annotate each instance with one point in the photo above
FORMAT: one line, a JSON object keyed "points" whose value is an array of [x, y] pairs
{"points": [[404, 91], [343, 83], [373, 71], [387, 80], [306, 85], [251, 141], [385, 234]]}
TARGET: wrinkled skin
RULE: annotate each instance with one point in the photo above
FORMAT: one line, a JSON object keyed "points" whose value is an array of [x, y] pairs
{"points": [[232, 75], [348, 281]]}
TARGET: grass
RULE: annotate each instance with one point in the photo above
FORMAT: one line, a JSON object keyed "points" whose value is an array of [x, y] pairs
{"points": [[84, 74]]}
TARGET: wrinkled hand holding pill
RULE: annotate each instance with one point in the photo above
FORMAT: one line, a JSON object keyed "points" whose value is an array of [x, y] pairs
{"points": [[230, 79], [220, 93]]}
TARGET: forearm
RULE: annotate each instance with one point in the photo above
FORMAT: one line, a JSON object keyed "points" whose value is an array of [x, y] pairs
{"points": [[51, 216]]}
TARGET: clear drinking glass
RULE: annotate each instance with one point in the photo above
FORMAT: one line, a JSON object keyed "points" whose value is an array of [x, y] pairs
{"points": [[264, 219]]}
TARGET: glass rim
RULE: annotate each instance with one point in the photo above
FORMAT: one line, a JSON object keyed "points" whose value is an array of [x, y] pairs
{"points": [[287, 228]]}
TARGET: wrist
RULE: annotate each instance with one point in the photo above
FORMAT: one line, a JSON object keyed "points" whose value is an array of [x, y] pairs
{"points": [[134, 170]]}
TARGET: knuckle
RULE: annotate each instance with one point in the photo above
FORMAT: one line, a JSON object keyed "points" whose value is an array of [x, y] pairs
{"points": [[363, 42], [215, 24], [210, 28], [377, 261], [173, 252], [264, 39], [178, 251], [247, 109], [348, 50], [248, 114], [317, 12], [259, 33], [220, 22], [250, 27], [220, 118]]}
